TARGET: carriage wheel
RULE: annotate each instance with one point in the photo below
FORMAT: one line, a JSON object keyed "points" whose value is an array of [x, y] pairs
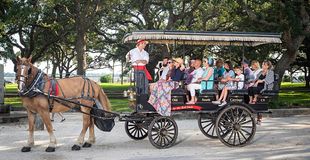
{"points": [[163, 132], [206, 123], [235, 126], [136, 130]]}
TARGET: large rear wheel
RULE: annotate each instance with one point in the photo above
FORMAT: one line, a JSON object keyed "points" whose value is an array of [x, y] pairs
{"points": [[235, 126], [163, 132]]}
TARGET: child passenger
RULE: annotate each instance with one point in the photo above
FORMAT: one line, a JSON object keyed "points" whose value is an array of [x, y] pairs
{"points": [[237, 85]]}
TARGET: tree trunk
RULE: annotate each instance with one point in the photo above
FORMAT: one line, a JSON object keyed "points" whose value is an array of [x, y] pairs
{"points": [[80, 44], [113, 68], [307, 77], [122, 74]]}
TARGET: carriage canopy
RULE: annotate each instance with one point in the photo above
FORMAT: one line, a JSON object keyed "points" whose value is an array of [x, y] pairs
{"points": [[204, 38]]}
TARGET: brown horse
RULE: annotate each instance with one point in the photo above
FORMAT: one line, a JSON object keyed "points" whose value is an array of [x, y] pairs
{"points": [[26, 75]]}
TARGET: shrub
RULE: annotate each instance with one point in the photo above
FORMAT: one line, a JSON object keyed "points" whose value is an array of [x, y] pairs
{"points": [[286, 78], [106, 78], [301, 78]]}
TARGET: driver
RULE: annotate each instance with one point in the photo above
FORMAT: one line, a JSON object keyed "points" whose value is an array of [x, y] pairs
{"points": [[139, 58]]}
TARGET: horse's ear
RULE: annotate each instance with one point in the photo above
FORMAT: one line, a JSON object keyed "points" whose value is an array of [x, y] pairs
{"points": [[29, 59]]}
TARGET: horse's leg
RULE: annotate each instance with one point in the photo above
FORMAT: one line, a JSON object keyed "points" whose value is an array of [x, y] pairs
{"points": [[47, 121], [30, 142], [91, 138], [80, 140]]}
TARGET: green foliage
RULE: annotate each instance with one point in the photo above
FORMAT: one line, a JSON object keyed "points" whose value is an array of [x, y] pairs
{"points": [[286, 78], [301, 78], [106, 78]]}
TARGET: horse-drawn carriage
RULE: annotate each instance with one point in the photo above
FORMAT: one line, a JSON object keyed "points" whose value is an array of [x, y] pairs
{"points": [[234, 124]]}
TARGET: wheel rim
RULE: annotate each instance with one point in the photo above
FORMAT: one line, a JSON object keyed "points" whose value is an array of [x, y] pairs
{"points": [[235, 126], [163, 132], [136, 129], [206, 123]]}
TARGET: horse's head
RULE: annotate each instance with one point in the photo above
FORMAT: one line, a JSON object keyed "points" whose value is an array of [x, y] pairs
{"points": [[24, 73]]}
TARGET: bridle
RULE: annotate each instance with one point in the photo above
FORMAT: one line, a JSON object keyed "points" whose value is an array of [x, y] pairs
{"points": [[22, 79]]}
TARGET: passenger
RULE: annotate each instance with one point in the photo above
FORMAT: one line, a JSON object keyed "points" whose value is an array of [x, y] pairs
{"points": [[178, 70], [207, 79], [163, 69], [160, 97], [195, 84], [264, 81], [246, 69], [255, 69], [167, 75], [219, 69], [189, 72], [237, 85], [228, 74]]}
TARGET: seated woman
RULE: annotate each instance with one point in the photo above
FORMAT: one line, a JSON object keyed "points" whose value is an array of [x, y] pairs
{"points": [[160, 97], [264, 81], [255, 66], [177, 71], [195, 84], [237, 85], [226, 81], [207, 80]]}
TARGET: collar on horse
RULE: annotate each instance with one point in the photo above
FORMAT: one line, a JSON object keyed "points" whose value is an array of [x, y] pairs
{"points": [[36, 87]]}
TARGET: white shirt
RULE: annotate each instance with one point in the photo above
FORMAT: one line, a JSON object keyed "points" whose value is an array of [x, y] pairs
{"points": [[255, 73], [165, 72], [197, 73], [135, 54], [239, 84]]}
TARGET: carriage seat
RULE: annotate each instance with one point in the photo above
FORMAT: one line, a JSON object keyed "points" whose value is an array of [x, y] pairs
{"points": [[178, 92], [275, 90], [209, 92], [239, 92]]}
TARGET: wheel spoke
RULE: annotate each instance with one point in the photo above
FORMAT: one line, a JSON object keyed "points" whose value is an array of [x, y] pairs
{"points": [[247, 126], [131, 132], [232, 114], [206, 121], [230, 136], [143, 130], [213, 130], [228, 117], [246, 122], [210, 128], [131, 128], [245, 131], [207, 125], [239, 137], [242, 116], [243, 135], [234, 138]]}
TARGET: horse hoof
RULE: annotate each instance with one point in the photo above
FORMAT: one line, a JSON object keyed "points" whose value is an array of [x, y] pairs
{"points": [[50, 149], [75, 148], [26, 149], [86, 145]]}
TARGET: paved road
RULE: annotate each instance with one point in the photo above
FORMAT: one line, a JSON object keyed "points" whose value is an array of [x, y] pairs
{"points": [[276, 138]]}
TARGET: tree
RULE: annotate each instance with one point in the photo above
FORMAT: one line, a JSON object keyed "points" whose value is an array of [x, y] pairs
{"points": [[28, 26], [290, 17]]}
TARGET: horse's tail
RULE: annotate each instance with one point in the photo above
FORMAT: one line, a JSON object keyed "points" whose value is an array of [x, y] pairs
{"points": [[104, 100]]}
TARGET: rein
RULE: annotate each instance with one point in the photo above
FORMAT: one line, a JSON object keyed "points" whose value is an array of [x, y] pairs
{"points": [[32, 90]]}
